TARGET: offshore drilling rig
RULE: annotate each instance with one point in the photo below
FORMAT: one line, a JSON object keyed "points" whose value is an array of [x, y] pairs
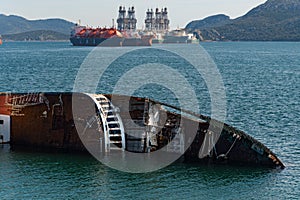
{"points": [[126, 22], [157, 24], [158, 21]]}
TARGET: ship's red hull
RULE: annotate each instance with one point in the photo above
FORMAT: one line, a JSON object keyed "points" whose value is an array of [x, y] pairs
{"points": [[82, 36], [111, 42]]}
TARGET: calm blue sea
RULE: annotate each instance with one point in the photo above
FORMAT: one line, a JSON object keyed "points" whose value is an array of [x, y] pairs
{"points": [[262, 81]]}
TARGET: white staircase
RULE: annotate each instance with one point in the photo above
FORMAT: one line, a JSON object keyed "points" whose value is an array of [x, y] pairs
{"points": [[112, 124]]}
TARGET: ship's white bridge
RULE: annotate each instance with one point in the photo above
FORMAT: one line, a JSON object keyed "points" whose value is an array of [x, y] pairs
{"points": [[114, 134]]}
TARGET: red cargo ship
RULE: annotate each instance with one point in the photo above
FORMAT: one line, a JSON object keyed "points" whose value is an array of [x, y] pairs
{"points": [[83, 36]]}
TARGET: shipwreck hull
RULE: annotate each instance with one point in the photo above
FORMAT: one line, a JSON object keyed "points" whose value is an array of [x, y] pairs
{"points": [[73, 121]]}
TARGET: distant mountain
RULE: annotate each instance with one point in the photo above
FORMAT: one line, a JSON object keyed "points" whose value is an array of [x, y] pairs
{"points": [[209, 22], [275, 20], [40, 35], [14, 24]]}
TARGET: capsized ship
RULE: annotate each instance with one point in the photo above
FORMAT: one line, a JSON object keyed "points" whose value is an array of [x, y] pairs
{"points": [[1, 40], [117, 123]]}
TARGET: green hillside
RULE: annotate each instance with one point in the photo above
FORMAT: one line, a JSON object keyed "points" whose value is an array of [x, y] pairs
{"points": [[40, 35], [15, 24], [275, 20]]}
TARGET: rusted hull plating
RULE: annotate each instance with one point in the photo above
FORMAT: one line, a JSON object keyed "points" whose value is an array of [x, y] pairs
{"points": [[47, 120]]}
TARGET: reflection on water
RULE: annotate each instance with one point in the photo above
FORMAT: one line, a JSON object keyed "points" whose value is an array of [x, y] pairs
{"points": [[50, 175]]}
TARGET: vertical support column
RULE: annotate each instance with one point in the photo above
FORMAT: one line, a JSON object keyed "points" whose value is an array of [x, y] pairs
{"points": [[4, 128]]}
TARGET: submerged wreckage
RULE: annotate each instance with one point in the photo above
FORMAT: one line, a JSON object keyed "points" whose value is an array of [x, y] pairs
{"points": [[133, 124]]}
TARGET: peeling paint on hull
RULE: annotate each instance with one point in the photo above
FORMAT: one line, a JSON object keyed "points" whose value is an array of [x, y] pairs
{"points": [[47, 120]]}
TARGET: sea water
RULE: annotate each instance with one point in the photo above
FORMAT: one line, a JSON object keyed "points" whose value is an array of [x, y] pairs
{"points": [[262, 84]]}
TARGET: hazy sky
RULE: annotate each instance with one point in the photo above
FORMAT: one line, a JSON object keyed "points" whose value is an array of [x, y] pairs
{"points": [[101, 12]]}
